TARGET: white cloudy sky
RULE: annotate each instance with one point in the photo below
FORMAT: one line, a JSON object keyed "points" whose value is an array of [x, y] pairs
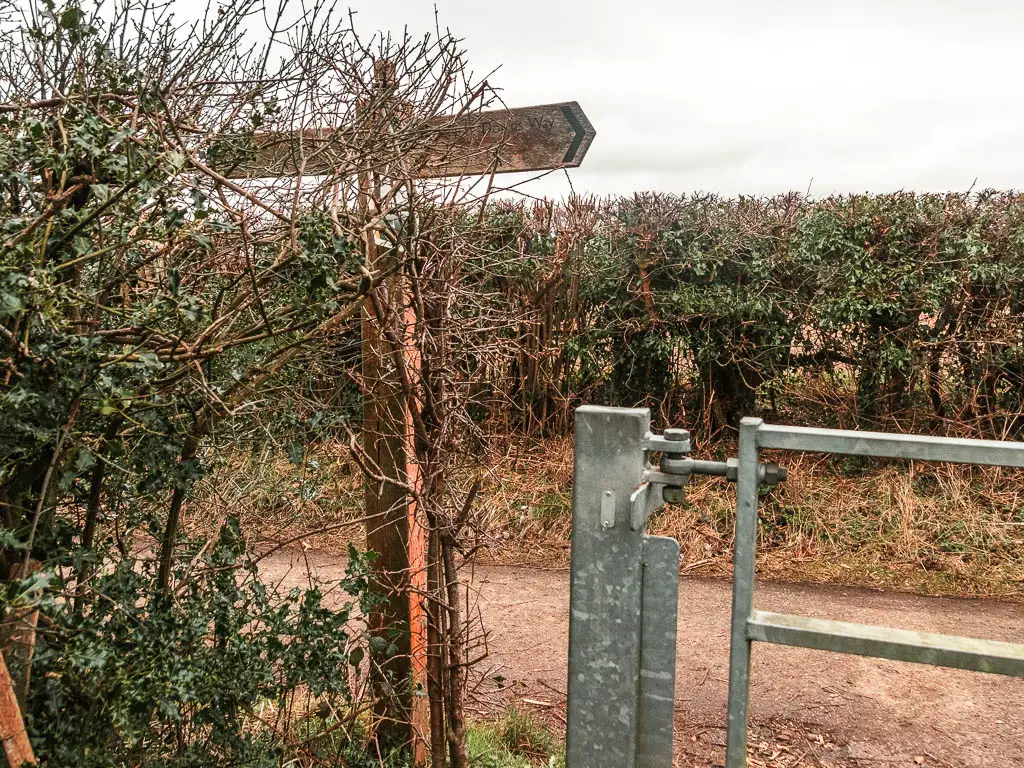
{"points": [[754, 96], [759, 96]]}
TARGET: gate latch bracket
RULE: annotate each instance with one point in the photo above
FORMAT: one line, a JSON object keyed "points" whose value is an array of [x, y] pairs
{"points": [[666, 484]]}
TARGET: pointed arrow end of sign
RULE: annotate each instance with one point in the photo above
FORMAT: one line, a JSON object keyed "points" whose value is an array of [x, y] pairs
{"points": [[583, 134]]}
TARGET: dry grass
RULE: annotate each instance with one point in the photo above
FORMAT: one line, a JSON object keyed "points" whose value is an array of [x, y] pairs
{"points": [[527, 506], [932, 529], [276, 500]]}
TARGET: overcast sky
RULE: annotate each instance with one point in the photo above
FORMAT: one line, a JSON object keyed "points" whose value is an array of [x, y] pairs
{"points": [[758, 96]]}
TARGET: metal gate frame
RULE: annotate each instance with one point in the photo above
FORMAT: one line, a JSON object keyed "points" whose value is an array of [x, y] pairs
{"points": [[750, 625], [624, 583], [624, 587]]}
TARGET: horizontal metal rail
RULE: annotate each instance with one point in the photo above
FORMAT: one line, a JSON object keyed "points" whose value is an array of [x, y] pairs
{"points": [[750, 625], [888, 643], [918, 447]]}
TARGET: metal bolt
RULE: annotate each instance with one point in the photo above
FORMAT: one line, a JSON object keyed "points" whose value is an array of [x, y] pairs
{"points": [[673, 495], [773, 474], [677, 435], [675, 462]]}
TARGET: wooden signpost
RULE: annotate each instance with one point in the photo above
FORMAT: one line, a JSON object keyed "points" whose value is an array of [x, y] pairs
{"points": [[511, 140], [538, 138]]}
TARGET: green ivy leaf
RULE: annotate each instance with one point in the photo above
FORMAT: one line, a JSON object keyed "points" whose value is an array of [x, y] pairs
{"points": [[71, 19]]}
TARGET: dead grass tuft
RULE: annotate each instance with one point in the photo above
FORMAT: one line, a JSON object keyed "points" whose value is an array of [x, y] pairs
{"points": [[321, 498]]}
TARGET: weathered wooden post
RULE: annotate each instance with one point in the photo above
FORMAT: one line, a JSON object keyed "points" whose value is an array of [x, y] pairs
{"points": [[535, 138]]}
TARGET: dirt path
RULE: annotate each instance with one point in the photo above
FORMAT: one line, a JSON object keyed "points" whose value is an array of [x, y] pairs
{"points": [[818, 708]]}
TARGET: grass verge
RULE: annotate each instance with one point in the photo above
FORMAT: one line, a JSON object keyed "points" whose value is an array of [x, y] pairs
{"points": [[516, 740], [931, 529]]}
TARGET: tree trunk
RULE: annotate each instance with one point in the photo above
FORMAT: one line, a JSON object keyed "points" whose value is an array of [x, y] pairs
{"points": [[456, 669], [435, 659]]}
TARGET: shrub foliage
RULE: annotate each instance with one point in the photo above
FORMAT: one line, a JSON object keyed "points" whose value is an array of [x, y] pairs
{"points": [[144, 302], [913, 305]]}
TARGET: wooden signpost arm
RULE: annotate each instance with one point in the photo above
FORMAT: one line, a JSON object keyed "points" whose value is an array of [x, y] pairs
{"points": [[538, 138]]}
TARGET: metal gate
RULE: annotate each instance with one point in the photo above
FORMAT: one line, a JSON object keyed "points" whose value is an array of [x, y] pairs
{"points": [[749, 625], [624, 583]]}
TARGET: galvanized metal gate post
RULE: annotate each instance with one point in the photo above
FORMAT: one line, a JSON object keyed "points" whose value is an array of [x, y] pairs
{"points": [[623, 597], [625, 586]]}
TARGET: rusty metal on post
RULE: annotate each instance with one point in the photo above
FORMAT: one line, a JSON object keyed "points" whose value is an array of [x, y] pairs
{"points": [[393, 528], [17, 748], [417, 548]]}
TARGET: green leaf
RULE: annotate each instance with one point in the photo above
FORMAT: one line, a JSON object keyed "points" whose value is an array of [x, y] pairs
{"points": [[173, 281], [10, 540], [84, 461], [150, 361], [71, 19], [10, 304], [176, 160], [295, 452]]}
